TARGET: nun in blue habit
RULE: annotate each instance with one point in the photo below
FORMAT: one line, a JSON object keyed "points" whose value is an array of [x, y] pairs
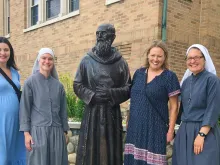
{"points": [[198, 139]]}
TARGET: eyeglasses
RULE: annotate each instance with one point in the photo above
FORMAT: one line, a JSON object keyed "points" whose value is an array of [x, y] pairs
{"points": [[196, 58]]}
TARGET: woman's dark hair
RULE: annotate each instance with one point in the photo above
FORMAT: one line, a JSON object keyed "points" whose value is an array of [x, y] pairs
{"points": [[11, 60], [162, 45]]}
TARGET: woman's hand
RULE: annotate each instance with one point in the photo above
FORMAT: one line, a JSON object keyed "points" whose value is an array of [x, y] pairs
{"points": [[126, 125], [170, 136], [198, 144], [66, 137], [28, 141]]}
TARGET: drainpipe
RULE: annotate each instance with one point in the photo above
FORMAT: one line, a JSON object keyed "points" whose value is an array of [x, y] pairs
{"points": [[164, 21]]}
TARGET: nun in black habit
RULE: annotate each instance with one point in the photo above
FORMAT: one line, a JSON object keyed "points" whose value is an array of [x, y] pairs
{"points": [[103, 82]]}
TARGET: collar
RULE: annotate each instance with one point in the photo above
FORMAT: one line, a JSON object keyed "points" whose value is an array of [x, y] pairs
{"points": [[42, 77]]}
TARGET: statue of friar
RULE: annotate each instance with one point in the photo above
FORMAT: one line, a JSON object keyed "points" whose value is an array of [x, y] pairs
{"points": [[103, 82]]}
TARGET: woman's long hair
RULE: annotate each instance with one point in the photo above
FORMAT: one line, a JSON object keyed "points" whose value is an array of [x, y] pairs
{"points": [[162, 45], [11, 60]]}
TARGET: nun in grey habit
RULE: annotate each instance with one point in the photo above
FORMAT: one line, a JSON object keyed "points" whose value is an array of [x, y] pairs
{"points": [[198, 139], [43, 114]]}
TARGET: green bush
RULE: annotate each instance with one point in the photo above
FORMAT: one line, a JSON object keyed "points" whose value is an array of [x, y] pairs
{"points": [[75, 106]]}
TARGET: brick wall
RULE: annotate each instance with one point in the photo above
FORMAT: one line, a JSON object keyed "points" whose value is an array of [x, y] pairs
{"points": [[189, 23], [183, 21], [210, 29], [136, 24]]}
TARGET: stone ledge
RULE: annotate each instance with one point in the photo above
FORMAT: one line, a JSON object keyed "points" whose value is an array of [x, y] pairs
{"points": [[77, 125]]}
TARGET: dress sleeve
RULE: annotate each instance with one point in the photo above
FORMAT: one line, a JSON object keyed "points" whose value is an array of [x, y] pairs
{"points": [[25, 108], [134, 77], [173, 86], [80, 89], [63, 110], [18, 76], [213, 103]]}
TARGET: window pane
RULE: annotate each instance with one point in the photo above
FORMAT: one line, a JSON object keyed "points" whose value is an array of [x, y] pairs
{"points": [[74, 5], [52, 8], [34, 2], [34, 15]]}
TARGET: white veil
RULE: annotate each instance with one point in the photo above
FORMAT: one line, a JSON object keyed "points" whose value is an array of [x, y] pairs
{"points": [[36, 67], [209, 66]]}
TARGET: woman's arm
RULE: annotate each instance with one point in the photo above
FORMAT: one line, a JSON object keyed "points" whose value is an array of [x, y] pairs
{"points": [[25, 108], [211, 114], [199, 141], [25, 114], [173, 102]]}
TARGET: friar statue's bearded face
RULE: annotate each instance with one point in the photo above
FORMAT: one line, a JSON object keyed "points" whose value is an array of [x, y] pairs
{"points": [[105, 36]]}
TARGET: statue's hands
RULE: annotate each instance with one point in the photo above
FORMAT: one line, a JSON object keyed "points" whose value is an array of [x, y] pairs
{"points": [[103, 92], [102, 95]]}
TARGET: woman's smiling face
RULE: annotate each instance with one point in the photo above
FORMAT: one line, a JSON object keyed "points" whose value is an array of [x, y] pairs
{"points": [[46, 62], [156, 58], [195, 61]]}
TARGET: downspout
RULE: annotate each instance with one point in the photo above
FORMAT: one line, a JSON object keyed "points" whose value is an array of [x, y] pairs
{"points": [[164, 21]]}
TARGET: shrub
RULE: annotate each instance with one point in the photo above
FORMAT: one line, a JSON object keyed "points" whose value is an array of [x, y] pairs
{"points": [[75, 106]]}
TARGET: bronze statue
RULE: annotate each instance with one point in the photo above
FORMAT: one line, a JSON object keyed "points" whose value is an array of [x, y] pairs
{"points": [[103, 82]]}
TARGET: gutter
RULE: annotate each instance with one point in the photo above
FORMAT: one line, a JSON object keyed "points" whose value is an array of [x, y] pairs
{"points": [[164, 21]]}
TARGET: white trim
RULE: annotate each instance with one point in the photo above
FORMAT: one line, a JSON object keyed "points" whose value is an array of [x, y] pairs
{"points": [[63, 8], [7, 36], [72, 14], [28, 13], [75, 125], [68, 6], [41, 13], [108, 2], [6, 15], [42, 20]]}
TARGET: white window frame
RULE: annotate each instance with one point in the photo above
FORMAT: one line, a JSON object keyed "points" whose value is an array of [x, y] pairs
{"points": [[42, 21], [6, 13], [108, 2]]}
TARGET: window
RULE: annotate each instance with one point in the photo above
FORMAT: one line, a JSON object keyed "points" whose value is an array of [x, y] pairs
{"points": [[44, 12], [52, 8], [73, 5], [34, 12], [6, 17]]}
